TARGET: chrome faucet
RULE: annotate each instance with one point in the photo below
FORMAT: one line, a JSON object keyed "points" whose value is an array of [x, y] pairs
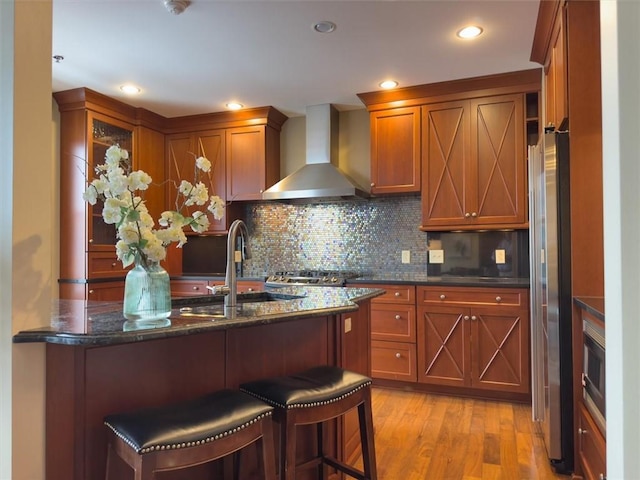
{"points": [[230, 287]]}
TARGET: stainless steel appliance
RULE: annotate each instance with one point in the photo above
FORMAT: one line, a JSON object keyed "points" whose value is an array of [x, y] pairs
{"points": [[593, 371], [320, 278], [551, 301]]}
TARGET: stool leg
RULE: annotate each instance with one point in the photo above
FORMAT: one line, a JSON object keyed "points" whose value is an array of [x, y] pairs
{"points": [[110, 457], [365, 418], [266, 451], [287, 448], [320, 448]]}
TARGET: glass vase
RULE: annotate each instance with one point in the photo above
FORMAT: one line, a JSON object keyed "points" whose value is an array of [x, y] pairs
{"points": [[147, 292]]}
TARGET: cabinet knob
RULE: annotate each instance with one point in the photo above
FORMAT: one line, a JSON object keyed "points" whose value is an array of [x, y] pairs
{"points": [[582, 431], [398, 317], [443, 296], [91, 240], [474, 214], [473, 317], [466, 317], [398, 355], [467, 215], [114, 264], [196, 288], [249, 289], [90, 292], [601, 476], [397, 294], [498, 299], [373, 184]]}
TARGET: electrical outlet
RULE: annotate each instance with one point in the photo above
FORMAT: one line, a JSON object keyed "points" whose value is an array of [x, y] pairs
{"points": [[237, 256], [406, 256], [436, 256], [500, 256], [347, 325]]}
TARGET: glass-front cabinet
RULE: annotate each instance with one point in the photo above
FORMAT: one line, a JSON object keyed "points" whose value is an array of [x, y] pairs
{"points": [[103, 133]]}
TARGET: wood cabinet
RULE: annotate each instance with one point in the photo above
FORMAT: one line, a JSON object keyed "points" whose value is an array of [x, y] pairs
{"points": [[395, 151], [474, 163], [591, 448], [393, 333], [474, 338], [556, 73], [188, 288], [89, 124]]}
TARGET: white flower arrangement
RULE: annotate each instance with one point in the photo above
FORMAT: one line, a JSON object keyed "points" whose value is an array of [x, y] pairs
{"points": [[138, 239]]}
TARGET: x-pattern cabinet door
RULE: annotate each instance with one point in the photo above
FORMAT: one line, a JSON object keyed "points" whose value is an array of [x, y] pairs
{"points": [[444, 350], [500, 339]]}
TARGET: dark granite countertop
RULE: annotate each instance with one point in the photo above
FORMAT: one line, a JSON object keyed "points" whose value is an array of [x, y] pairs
{"points": [[593, 305], [453, 281], [79, 322]]}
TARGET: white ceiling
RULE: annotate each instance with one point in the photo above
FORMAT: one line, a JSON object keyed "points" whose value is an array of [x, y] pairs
{"points": [[266, 53]]}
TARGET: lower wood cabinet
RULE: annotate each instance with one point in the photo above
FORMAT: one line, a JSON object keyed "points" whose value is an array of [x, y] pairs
{"points": [[393, 333], [189, 288], [105, 291], [592, 453], [474, 338]]}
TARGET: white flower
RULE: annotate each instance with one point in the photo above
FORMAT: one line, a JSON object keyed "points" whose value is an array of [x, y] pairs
{"points": [[216, 207], [203, 164], [116, 185]]}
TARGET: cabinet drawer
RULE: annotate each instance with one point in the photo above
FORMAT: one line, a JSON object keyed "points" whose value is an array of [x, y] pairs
{"points": [[105, 264], [393, 322], [187, 288], [405, 294], [512, 297], [246, 286], [393, 360], [591, 447]]}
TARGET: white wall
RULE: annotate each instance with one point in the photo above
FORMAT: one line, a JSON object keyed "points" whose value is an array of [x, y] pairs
{"points": [[28, 239], [621, 173]]}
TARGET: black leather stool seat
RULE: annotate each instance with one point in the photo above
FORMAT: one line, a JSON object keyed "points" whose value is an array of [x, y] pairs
{"points": [[187, 424], [313, 387], [205, 429], [315, 396]]}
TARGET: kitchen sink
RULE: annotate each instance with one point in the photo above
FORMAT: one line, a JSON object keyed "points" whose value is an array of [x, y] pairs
{"points": [[212, 306]]}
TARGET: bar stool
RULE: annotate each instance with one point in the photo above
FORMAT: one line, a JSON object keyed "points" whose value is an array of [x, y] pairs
{"points": [[191, 433], [313, 397]]}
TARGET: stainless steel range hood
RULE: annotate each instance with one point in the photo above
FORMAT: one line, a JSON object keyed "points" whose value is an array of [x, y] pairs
{"points": [[318, 179]]}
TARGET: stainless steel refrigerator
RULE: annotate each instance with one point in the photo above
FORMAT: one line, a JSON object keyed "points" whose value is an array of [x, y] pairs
{"points": [[551, 303]]}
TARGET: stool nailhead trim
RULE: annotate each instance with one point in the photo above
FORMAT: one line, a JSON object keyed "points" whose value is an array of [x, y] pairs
{"points": [[310, 404], [193, 443]]}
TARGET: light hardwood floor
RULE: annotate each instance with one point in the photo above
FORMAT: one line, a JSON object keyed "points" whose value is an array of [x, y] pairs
{"points": [[420, 436]]}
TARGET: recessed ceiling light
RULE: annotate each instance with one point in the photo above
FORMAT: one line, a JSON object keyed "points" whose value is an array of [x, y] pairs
{"points": [[324, 26], [234, 106], [130, 89], [469, 32], [388, 84]]}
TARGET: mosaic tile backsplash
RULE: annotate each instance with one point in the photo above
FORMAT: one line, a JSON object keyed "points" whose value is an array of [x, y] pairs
{"points": [[364, 236]]}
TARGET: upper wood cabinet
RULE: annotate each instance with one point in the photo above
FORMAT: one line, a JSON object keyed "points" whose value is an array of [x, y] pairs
{"points": [[89, 124], [471, 137], [395, 151], [474, 163]]}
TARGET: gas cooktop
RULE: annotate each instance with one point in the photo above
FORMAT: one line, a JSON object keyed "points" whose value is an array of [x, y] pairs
{"points": [[321, 278]]}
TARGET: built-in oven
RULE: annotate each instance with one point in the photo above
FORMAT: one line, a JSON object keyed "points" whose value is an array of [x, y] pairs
{"points": [[593, 371]]}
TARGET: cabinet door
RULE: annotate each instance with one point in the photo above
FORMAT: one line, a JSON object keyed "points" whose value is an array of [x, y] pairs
{"points": [[106, 292], [395, 151], [500, 349], [556, 74], [499, 192], [592, 450], [446, 164], [103, 132], [188, 288], [444, 350], [393, 360], [211, 144], [246, 168]]}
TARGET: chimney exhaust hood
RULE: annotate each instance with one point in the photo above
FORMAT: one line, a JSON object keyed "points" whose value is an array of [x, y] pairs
{"points": [[318, 179]]}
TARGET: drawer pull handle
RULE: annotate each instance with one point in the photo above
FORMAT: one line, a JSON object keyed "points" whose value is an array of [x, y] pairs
{"points": [[397, 294], [498, 299], [443, 296], [398, 355], [398, 317]]}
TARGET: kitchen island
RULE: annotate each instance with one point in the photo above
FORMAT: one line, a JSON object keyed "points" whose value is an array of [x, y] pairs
{"points": [[99, 364]]}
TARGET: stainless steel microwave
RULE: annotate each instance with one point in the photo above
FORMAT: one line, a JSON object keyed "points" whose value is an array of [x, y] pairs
{"points": [[593, 371]]}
